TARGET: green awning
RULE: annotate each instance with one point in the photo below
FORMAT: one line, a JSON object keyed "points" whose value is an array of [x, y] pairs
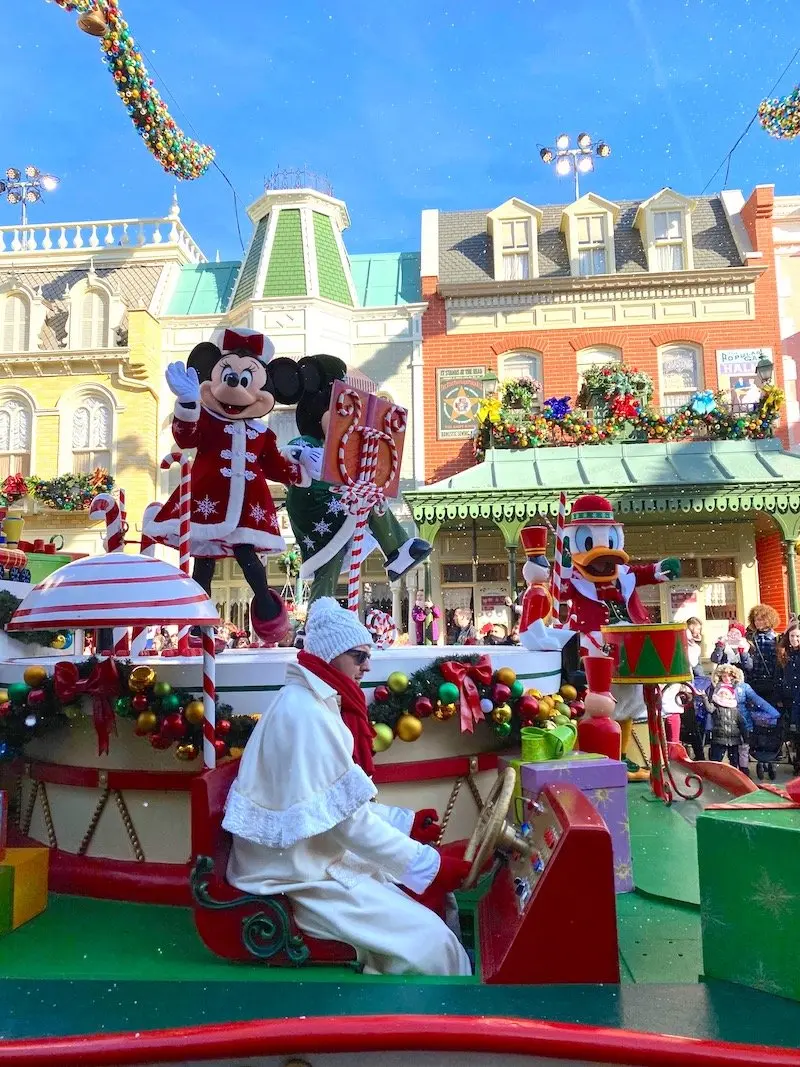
{"points": [[684, 477]]}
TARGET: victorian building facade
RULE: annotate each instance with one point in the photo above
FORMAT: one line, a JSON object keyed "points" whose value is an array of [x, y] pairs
{"points": [[684, 289]]}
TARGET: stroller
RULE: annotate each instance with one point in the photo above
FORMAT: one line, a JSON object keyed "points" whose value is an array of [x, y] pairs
{"points": [[766, 746]]}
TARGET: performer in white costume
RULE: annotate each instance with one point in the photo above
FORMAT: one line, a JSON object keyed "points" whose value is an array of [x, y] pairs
{"points": [[304, 823]]}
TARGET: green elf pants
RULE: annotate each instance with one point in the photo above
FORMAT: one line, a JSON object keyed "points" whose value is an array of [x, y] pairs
{"points": [[386, 530]]}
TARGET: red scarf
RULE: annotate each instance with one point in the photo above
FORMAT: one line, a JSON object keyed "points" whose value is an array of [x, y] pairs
{"points": [[354, 707]]}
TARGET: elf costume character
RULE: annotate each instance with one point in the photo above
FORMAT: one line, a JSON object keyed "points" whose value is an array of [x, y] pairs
{"points": [[601, 584], [425, 616], [322, 525], [304, 824]]}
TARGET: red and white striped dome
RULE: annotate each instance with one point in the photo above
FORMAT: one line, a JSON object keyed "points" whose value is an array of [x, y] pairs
{"points": [[114, 590]]}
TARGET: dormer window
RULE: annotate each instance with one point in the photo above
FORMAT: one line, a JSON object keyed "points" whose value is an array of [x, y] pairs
{"points": [[16, 323], [591, 244], [514, 228], [516, 241], [665, 223], [94, 320], [668, 235]]}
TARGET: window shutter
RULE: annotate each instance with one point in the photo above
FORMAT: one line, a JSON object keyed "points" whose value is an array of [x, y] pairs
{"points": [[16, 324]]}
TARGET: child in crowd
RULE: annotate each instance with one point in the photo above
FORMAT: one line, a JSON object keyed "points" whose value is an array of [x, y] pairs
{"points": [[752, 707], [734, 648], [764, 674], [789, 664], [694, 639], [728, 727]]}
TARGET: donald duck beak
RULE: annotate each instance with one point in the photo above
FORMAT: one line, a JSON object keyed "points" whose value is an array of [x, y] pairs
{"points": [[599, 564]]}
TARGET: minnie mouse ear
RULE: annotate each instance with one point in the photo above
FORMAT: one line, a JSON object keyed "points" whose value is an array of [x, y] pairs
{"points": [[203, 358], [287, 380]]}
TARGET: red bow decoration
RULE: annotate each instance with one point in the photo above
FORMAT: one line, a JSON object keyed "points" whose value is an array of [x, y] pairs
{"points": [[102, 686], [465, 675], [252, 342]]}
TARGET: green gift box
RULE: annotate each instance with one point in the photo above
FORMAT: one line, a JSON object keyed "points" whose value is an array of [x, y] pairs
{"points": [[6, 900], [749, 864]]}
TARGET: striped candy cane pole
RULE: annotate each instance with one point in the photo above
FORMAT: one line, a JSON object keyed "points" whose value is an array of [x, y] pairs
{"points": [[123, 513], [146, 548], [184, 528], [368, 491], [105, 504], [209, 698], [558, 562]]}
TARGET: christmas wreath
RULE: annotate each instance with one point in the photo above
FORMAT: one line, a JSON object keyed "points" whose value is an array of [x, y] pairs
{"points": [[164, 715], [67, 492], [469, 687]]}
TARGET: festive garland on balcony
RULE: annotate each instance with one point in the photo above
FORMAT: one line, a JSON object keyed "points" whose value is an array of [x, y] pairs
{"points": [[165, 716], [621, 414], [177, 153], [66, 492]]}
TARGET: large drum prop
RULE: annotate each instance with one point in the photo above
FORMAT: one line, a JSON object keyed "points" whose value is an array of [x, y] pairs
{"points": [[653, 656]]}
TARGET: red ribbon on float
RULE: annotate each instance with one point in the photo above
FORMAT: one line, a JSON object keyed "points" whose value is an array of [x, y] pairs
{"points": [[465, 675], [102, 685]]}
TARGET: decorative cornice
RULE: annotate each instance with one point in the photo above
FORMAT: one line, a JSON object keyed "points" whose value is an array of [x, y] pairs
{"points": [[642, 286], [65, 362]]}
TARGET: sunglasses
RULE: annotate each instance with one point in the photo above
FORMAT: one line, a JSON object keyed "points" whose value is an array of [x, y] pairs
{"points": [[360, 655]]}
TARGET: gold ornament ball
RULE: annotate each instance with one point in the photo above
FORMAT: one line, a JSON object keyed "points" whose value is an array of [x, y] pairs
{"points": [[34, 676], [568, 692], [59, 642], [383, 737], [193, 712], [186, 753], [3, 696], [146, 722], [506, 676], [445, 711], [502, 713], [141, 678], [408, 728], [235, 753], [397, 682]]}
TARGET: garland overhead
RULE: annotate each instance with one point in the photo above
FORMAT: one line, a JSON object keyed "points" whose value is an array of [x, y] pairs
{"points": [[781, 117], [178, 154]]}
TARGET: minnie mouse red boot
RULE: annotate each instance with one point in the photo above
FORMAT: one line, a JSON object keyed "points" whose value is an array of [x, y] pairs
{"points": [[271, 631]]}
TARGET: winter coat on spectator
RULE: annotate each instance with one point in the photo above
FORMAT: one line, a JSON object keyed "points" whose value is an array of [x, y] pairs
{"points": [[728, 726], [752, 707], [764, 675], [790, 685], [739, 656]]}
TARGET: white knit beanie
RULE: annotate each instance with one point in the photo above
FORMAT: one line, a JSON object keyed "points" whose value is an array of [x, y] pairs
{"points": [[332, 630]]}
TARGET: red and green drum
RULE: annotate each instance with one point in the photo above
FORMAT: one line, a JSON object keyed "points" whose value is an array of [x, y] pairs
{"points": [[653, 654]]}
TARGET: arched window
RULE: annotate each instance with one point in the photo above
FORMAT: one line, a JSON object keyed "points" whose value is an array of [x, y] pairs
{"points": [[91, 434], [681, 369], [16, 421], [16, 323], [517, 366], [594, 357], [94, 319]]}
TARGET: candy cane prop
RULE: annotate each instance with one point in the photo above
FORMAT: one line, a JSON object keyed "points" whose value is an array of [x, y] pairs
{"points": [[558, 562], [123, 514], [362, 494], [105, 504], [209, 699], [382, 627], [147, 548], [184, 527]]}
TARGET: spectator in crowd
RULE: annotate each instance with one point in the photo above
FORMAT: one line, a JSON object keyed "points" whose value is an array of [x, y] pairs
{"points": [[728, 727], [764, 674], [754, 709], [734, 648], [694, 640], [463, 630], [789, 665]]}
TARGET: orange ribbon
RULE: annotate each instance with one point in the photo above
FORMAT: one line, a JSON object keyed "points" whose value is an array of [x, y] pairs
{"points": [[465, 675], [102, 685]]}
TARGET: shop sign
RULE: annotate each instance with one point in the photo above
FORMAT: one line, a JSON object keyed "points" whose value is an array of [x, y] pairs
{"points": [[736, 370], [682, 599], [459, 391]]}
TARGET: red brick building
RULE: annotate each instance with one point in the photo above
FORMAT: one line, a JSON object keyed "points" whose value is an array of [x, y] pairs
{"points": [[682, 289]]}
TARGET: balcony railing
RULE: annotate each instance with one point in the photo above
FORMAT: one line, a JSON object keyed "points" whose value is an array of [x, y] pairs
{"points": [[99, 236]]}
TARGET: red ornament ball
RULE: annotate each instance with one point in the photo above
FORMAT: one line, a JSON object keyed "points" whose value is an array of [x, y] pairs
{"points": [[500, 693], [159, 741], [5, 708], [423, 707], [381, 693], [528, 708], [221, 747], [174, 726], [37, 696], [140, 701], [223, 728]]}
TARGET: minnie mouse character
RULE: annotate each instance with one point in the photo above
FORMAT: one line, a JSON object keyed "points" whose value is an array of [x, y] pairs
{"points": [[229, 385]]}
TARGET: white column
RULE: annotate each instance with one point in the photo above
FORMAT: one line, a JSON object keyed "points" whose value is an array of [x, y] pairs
{"points": [[397, 601], [418, 404]]}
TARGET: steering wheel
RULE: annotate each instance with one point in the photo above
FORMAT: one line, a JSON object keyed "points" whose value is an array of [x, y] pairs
{"points": [[491, 829]]}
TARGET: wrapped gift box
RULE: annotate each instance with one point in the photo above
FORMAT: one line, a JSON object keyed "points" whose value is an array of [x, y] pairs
{"points": [[604, 782], [26, 871], [749, 865], [3, 822]]}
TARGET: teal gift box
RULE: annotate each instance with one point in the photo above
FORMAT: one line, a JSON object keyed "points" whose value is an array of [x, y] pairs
{"points": [[749, 864]]}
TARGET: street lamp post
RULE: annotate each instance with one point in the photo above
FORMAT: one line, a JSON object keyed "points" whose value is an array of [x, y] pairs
{"points": [[26, 190], [575, 161]]}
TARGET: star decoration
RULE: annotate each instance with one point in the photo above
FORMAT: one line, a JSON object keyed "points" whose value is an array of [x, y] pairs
{"points": [[623, 872], [274, 525], [308, 542], [601, 797], [760, 978], [771, 896], [206, 506], [710, 920], [321, 527], [257, 513], [625, 827], [335, 507]]}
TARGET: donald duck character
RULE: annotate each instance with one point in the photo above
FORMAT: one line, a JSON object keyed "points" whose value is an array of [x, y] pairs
{"points": [[602, 585]]}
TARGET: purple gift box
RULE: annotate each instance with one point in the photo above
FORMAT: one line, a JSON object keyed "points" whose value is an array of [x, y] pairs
{"points": [[605, 783]]}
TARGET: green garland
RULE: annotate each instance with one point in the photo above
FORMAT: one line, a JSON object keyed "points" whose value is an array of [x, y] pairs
{"points": [[8, 605], [66, 492]]}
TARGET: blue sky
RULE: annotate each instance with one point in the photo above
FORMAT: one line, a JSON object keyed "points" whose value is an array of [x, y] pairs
{"points": [[426, 103]]}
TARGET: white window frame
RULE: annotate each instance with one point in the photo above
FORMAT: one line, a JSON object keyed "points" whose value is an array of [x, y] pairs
{"points": [[515, 237], [25, 401], [667, 202], [672, 399], [666, 241], [114, 307], [520, 257], [98, 325], [584, 211], [20, 331], [534, 360], [68, 406], [594, 355], [592, 244]]}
